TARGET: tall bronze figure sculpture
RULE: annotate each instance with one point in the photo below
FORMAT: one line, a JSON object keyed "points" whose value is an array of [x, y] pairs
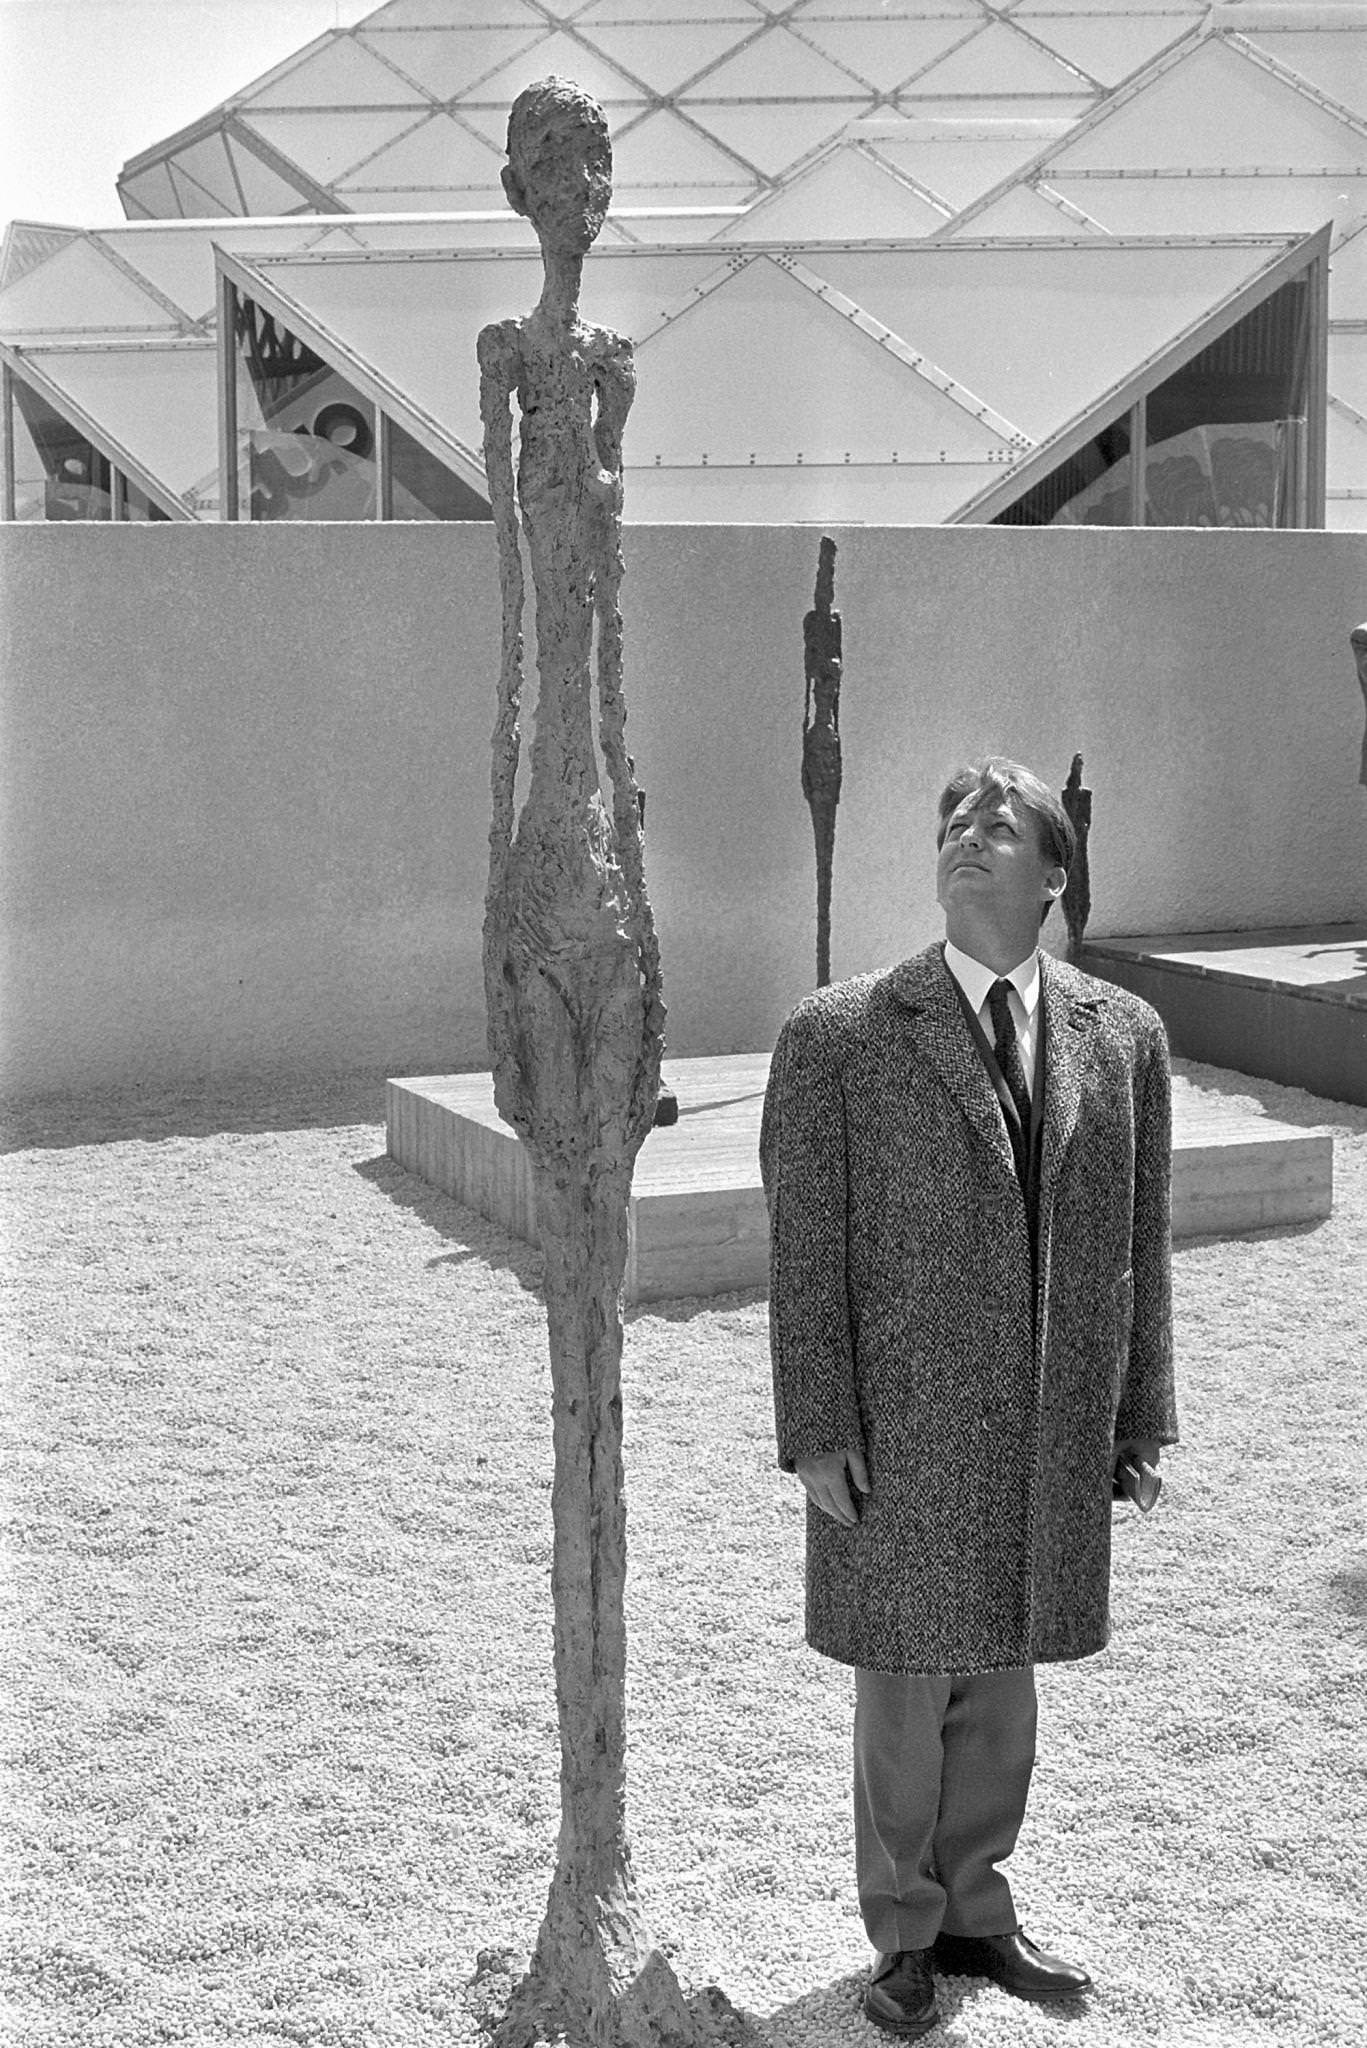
{"points": [[821, 763], [1077, 896], [1357, 640], [572, 982]]}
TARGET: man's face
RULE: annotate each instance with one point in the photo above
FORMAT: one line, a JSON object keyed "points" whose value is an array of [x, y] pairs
{"points": [[563, 176], [992, 859]]}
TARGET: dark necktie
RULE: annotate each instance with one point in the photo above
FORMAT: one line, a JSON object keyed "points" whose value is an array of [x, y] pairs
{"points": [[1007, 1049]]}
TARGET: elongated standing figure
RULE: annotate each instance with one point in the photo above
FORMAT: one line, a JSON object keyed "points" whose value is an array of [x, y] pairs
{"points": [[821, 764], [576, 1021]]}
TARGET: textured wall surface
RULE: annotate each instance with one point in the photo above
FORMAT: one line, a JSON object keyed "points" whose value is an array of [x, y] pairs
{"points": [[245, 770]]}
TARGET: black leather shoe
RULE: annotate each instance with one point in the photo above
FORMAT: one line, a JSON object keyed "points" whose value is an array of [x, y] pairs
{"points": [[1011, 1960], [901, 1993]]}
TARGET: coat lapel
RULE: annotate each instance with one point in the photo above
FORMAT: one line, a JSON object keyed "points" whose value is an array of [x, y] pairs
{"points": [[1070, 1023], [923, 986]]}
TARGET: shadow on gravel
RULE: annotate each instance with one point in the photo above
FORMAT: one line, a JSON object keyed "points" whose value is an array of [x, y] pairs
{"points": [[472, 1234], [195, 1108], [1349, 1589], [834, 2013]]}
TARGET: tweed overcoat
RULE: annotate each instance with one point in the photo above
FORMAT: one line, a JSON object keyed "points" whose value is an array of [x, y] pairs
{"points": [[907, 1320]]}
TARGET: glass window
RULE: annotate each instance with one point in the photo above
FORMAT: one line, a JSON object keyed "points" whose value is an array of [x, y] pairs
{"points": [[1226, 432], [423, 488], [1091, 489], [306, 436], [58, 473]]}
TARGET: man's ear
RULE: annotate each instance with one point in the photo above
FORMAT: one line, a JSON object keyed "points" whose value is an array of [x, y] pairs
{"points": [[512, 186], [1055, 882]]}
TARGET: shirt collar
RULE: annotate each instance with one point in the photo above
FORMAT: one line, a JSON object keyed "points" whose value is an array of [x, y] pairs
{"points": [[975, 980]]}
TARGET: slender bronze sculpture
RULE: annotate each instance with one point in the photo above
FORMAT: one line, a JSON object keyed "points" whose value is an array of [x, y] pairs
{"points": [[576, 1021], [821, 765], [1357, 640], [1077, 896]]}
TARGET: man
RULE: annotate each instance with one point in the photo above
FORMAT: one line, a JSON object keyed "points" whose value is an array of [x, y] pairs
{"points": [[967, 1163]]}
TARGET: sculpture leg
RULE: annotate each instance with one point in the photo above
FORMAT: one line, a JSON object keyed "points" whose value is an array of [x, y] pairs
{"points": [[595, 1978]]}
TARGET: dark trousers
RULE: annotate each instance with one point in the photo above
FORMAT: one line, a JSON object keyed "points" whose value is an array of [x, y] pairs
{"points": [[942, 1767]]}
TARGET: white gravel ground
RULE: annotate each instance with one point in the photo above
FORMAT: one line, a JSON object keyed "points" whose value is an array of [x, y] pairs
{"points": [[281, 1746]]}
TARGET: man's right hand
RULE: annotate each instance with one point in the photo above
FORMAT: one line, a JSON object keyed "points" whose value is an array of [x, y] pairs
{"points": [[826, 1484]]}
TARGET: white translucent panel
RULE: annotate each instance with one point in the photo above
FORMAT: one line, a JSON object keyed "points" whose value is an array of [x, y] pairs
{"points": [[206, 164], [26, 247], [1021, 211], [692, 227], [1333, 60], [773, 138], [1348, 369], [179, 261], [842, 494], [440, 152], [663, 151], [1345, 452], [441, 13], [997, 60], [1212, 205], [344, 73], [846, 195], [1190, 11], [959, 171], [706, 386], [855, 11], [561, 56], [1348, 279], [449, 60], [663, 55], [80, 290], [1347, 513], [1107, 48], [1215, 108], [886, 52], [746, 14], [1042, 333], [160, 406], [325, 145], [776, 65], [264, 190]]}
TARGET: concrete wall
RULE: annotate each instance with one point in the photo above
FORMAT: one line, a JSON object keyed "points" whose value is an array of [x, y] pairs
{"points": [[245, 770]]}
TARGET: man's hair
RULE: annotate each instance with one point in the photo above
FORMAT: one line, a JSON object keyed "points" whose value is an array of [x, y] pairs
{"points": [[995, 780]]}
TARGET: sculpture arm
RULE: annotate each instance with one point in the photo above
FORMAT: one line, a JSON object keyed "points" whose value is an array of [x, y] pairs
{"points": [[498, 365]]}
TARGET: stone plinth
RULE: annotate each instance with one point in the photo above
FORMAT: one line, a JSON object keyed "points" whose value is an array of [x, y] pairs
{"points": [[697, 1221]]}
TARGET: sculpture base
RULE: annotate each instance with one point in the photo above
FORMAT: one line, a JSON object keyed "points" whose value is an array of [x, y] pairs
{"points": [[697, 1223]]}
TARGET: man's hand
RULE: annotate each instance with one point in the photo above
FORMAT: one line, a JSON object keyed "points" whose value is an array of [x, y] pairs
{"points": [[824, 1479]]}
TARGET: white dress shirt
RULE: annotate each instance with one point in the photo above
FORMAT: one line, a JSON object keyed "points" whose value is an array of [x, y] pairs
{"points": [[975, 980]]}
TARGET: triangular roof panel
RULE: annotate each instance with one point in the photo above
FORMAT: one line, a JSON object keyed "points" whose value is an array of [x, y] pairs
{"points": [[997, 60], [958, 169], [437, 14], [439, 152], [1332, 60], [1348, 277], [885, 51], [447, 61], [560, 55], [840, 396], [913, 11], [157, 406], [263, 188], [29, 243], [209, 165], [1348, 368], [1043, 332], [1108, 48], [663, 55], [342, 74], [325, 145], [772, 138], [663, 150], [1021, 211], [1214, 205], [1345, 451], [776, 65], [76, 290], [746, 14], [1213, 109], [845, 195]]}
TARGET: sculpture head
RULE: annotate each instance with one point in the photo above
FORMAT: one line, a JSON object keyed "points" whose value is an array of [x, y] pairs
{"points": [[559, 168]]}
